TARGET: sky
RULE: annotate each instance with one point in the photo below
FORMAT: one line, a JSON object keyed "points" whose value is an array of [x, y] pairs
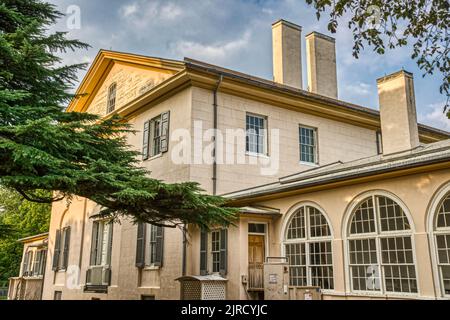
{"points": [[236, 34]]}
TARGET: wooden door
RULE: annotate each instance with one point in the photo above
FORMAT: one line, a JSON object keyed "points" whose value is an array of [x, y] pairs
{"points": [[256, 256]]}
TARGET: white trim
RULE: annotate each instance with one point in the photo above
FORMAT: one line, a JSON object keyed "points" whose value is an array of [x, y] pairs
{"points": [[433, 208], [354, 204], [265, 234]]}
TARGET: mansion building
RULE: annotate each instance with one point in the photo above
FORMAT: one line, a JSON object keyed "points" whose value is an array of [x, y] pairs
{"points": [[357, 203]]}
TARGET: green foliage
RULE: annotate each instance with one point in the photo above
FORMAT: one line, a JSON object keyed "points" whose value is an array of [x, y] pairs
{"points": [[387, 23], [42, 147], [23, 219]]}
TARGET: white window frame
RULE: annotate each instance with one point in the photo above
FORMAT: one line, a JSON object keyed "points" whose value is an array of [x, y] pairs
{"points": [[433, 231], [308, 239], [152, 138], [110, 97], [265, 152], [100, 252], [377, 235], [211, 251], [149, 229], [315, 146]]}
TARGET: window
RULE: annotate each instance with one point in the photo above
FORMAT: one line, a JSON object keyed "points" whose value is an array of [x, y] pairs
{"points": [[150, 245], [308, 249], [39, 263], [259, 228], [308, 144], [380, 248], [62, 246], [101, 245], [111, 98], [27, 264], [442, 241], [256, 134], [379, 142], [214, 252], [57, 295], [155, 136]]}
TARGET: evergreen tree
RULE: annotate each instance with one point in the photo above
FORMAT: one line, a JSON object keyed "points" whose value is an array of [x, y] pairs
{"points": [[42, 147]]}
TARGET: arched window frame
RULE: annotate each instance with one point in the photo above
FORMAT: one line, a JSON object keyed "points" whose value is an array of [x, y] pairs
{"points": [[284, 240], [346, 235], [432, 229]]}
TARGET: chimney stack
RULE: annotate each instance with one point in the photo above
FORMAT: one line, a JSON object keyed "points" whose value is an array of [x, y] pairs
{"points": [[321, 63], [287, 59], [398, 112]]}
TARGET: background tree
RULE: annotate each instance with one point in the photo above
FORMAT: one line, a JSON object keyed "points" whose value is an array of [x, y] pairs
{"points": [[44, 148], [388, 24], [23, 219]]}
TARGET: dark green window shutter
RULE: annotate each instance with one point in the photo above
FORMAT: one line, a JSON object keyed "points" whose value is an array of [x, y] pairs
{"points": [[140, 246], [164, 141], [94, 244], [145, 140], [159, 246], [203, 252], [223, 252], [66, 233], [56, 250], [110, 241]]}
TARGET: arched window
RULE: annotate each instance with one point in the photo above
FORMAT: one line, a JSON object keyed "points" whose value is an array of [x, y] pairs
{"points": [[442, 241], [307, 245], [380, 248]]}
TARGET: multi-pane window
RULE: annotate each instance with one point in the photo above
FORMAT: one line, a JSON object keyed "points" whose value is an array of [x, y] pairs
{"points": [[256, 134], [442, 240], [215, 250], [380, 248], [39, 262], [308, 248], [152, 255], [308, 144], [111, 104], [156, 136]]}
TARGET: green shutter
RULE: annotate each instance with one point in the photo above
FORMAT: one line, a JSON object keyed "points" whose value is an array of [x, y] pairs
{"points": [[140, 246], [203, 252], [66, 247], [145, 140], [94, 243], [164, 141], [56, 250], [223, 252], [159, 246]]}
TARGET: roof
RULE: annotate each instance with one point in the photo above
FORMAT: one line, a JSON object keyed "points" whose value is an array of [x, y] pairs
{"points": [[426, 154], [36, 237], [183, 73]]}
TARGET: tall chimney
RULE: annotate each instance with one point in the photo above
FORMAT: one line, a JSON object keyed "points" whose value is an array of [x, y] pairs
{"points": [[398, 112], [287, 58], [321, 62]]}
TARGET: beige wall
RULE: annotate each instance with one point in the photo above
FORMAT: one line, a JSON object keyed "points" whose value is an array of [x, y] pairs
{"points": [[415, 193]]}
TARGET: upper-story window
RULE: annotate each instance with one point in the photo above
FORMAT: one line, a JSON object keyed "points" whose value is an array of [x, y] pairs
{"points": [[101, 246], [308, 144], [155, 136], [111, 98], [256, 134]]}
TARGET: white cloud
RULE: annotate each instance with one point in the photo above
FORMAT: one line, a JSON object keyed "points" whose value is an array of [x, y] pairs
{"points": [[434, 116], [128, 10], [360, 89], [216, 52]]}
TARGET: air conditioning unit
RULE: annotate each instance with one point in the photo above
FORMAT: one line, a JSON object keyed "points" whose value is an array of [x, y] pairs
{"points": [[98, 276], [209, 287]]}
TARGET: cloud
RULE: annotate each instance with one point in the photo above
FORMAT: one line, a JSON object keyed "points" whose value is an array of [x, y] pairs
{"points": [[129, 9], [434, 116], [360, 89], [216, 52]]}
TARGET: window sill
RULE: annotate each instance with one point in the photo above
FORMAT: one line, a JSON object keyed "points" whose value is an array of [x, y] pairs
{"points": [[310, 164], [151, 268], [258, 155], [159, 155]]}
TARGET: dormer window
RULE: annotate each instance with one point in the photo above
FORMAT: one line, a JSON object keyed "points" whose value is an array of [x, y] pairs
{"points": [[111, 98]]}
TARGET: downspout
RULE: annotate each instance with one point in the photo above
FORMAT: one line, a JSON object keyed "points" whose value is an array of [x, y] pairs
{"points": [[184, 249], [214, 177]]}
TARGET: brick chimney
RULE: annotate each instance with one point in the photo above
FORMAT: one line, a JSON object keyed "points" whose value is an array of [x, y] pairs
{"points": [[398, 112], [287, 58], [321, 64]]}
